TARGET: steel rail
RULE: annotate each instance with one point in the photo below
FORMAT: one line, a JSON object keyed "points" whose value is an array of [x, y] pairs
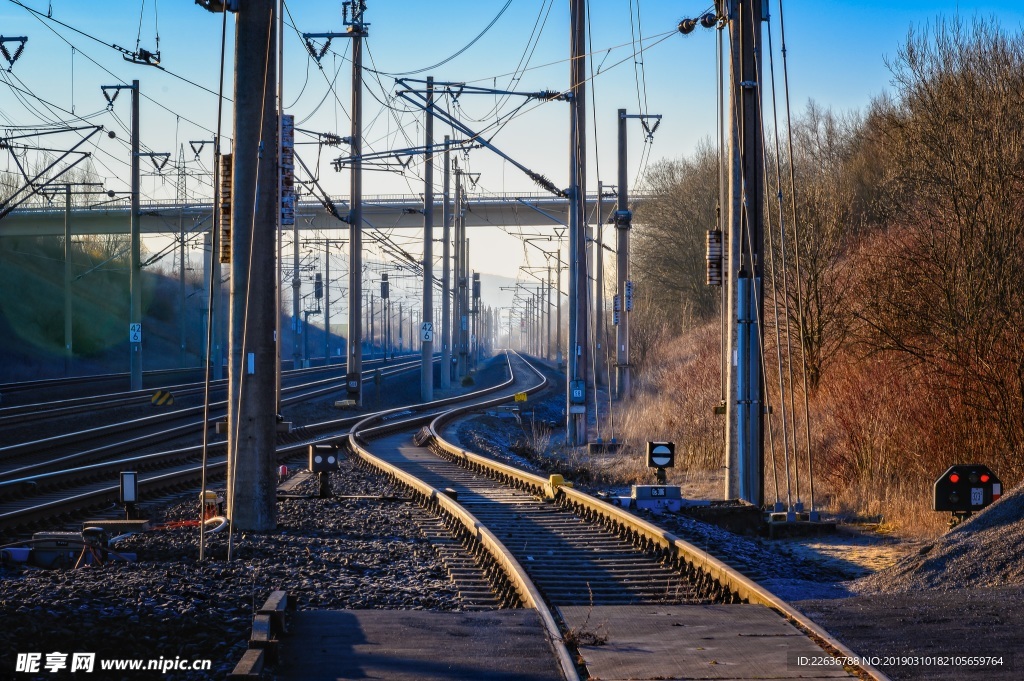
{"points": [[184, 474], [18, 414], [478, 534], [652, 538], [306, 391]]}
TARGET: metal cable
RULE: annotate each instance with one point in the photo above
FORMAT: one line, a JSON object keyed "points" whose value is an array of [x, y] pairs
{"points": [[796, 239], [785, 285]]}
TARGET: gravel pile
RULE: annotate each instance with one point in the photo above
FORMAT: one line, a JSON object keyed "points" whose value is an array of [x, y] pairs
{"points": [[985, 550], [337, 553]]}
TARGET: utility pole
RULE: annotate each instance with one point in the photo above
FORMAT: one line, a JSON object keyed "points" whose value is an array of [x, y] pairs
{"points": [[446, 284], [579, 285], [745, 433], [357, 31], [426, 330], [252, 423]]}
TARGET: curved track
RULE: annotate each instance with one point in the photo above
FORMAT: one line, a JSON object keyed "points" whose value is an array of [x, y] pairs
{"points": [[545, 545]]}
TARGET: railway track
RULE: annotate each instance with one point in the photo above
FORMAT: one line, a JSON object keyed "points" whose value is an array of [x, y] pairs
{"points": [[42, 493], [191, 392], [139, 435], [510, 539], [542, 544]]}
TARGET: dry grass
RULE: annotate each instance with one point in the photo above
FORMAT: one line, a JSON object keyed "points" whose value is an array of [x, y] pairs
{"points": [[674, 401], [880, 435]]}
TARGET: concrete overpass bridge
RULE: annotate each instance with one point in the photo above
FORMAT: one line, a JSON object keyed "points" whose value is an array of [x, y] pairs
{"points": [[386, 211]]}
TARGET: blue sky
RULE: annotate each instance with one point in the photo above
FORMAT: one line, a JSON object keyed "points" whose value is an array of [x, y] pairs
{"points": [[836, 50]]}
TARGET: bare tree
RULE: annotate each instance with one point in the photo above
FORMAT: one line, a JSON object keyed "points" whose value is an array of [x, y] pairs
{"points": [[944, 284], [669, 237]]}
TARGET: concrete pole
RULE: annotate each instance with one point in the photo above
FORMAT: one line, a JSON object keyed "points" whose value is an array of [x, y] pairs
{"points": [[355, 270], [252, 479], [68, 354], [427, 346], [623, 223], [578, 280], [136, 246], [446, 284]]}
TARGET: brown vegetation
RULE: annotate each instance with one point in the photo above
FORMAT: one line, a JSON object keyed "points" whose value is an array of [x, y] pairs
{"points": [[910, 228]]}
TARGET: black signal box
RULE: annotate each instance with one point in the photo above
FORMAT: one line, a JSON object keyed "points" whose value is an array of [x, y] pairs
{"points": [[965, 488]]}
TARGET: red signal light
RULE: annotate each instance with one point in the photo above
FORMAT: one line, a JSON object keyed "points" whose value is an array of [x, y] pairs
{"points": [[984, 477], [954, 478]]}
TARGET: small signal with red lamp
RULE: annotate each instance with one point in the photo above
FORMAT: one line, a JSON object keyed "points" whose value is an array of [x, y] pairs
{"points": [[966, 488]]}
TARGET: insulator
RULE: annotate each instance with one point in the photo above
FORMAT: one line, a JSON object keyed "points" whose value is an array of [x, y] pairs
{"points": [[714, 257], [687, 26], [709, 20]]}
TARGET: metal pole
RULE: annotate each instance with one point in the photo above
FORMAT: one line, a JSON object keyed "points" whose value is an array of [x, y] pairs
{"points": [[182, 359], [136, 247], [296, 295], [427, 344], [547, 284], [446, 284], [558, 306], [327, 302], [601, 360], [623, 223], [460, 280], [217, 313], [278, 256], [68, 354], [355, 270], [745, 433], [252, 436]]}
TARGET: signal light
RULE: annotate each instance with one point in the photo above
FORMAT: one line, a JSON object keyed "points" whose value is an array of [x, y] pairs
{"points": [[973, 477], [954, 478], [984, 477]]}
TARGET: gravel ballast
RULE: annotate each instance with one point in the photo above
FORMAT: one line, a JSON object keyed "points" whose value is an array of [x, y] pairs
{"points": [[336, 553]]}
